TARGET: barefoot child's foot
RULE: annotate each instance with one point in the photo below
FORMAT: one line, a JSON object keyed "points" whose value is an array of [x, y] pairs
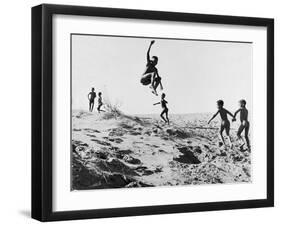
{"points": [[154, 92]]}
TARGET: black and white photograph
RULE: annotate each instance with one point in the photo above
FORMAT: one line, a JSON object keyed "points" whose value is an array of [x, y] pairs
{"points": [[152, 111], [146, 111]]}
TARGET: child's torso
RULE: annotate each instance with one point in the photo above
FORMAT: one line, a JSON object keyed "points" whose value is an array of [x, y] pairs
{"points": [[244, 115], [150, 68], [164, 103], [100, 100], [92, 95], [223, 114]]}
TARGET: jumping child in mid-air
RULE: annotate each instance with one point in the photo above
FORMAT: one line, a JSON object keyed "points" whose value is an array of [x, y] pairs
{"points": [[225, 124], [151, 76], [245, 125], [91, 98], [100, 103], [164, 103]]}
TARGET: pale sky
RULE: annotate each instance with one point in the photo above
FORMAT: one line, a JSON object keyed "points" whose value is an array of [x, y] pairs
{"points": [[195, 74]]}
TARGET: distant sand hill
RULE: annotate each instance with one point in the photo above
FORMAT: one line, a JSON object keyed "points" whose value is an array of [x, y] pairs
{"points": [[112, 150]]}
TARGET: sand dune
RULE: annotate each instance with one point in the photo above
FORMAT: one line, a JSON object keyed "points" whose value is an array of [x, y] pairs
{"points": [[114, 151]]}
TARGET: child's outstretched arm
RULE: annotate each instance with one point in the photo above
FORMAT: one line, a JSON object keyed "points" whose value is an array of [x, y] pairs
{"points": [[213, 117], [228, 112], [147, 55], [236, 112], [156, 103]]}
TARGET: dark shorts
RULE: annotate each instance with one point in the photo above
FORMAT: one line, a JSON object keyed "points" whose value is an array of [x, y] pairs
{"points": [[146, 79]]}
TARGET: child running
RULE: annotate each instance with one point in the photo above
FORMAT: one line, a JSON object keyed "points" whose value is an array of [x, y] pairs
{"points": [[164, 103], [100, 103], [225, 124], [245, 125], [91, 98], [151, 76]]}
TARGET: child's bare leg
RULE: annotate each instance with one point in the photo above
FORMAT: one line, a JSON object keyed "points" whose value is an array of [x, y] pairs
{"points": [[229, 138], [91, 106], [153, 84], [152, 80], [240, 130], [221, 135], [167, 118], [230, 142], [161, 115], [247, 137], [156, 83]]}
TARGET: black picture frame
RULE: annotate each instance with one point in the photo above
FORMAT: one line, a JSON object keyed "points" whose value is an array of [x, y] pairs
{"points": [[42, 107]]}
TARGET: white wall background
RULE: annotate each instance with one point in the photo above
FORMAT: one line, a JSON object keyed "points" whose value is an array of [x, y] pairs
{"points": [[15, 119]]}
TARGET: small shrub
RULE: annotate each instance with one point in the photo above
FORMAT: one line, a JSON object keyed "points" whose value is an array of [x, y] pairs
{"points": [[112, 110]]}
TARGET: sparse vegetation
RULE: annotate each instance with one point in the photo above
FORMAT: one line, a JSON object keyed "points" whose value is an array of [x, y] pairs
{"points": [[112, 110]]}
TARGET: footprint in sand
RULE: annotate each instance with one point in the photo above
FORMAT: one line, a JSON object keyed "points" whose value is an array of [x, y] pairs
{"points": [[91, 130], [90, 135], [116, 132], [131, 160], [74, 129], [101, 142], [116, 140], [162, 151], [79, 143], [135, 133], [148, 172]]}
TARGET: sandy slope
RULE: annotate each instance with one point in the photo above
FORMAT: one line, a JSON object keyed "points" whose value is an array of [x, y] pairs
{"points": [[130, 151]]}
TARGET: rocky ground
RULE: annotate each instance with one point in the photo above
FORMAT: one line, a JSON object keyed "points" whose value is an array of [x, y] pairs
{"points": [[114, 150]]}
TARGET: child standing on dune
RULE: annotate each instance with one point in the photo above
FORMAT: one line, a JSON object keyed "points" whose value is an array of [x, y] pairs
{"points": [[91, 98], [100, 103], [225, 124], [245, 125], [164, 103]]}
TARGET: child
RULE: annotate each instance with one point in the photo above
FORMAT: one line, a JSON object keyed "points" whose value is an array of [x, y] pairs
{"points": [[225, 124], [91, 98], [164, 103], [245, 125], [151, 76], [100, 103]]}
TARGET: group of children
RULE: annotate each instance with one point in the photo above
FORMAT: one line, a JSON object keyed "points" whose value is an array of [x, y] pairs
{"points": [[151, 77], [225, 124], [91, 97]]}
